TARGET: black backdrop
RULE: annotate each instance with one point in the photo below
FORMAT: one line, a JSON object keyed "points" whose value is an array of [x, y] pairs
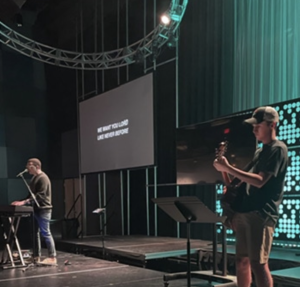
{"points": [[203, 54]]}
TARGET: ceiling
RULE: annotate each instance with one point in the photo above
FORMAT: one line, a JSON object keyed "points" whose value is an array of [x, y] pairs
{"points": [[65, 24]]}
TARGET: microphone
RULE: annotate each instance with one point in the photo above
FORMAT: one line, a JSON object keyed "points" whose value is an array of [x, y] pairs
{"points": [[25, 170]]}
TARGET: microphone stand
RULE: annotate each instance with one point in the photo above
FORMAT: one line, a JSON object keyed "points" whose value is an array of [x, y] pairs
{"points": [[31, 193]]}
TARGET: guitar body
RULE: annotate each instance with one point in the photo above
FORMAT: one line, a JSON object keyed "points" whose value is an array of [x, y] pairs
{"points": [[231, 200]]}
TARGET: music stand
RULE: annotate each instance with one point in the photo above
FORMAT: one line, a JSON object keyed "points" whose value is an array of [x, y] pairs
{"points": [[187, 209], [101, 212]]}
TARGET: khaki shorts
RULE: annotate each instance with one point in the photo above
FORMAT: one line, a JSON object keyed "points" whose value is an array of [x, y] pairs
{"points": [[254, 236]]}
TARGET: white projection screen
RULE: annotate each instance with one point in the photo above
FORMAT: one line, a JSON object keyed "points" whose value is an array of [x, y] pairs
{"points": [[117, 129]]}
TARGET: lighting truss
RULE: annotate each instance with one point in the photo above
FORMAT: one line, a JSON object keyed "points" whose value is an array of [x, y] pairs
{"points": [[96, 61]]}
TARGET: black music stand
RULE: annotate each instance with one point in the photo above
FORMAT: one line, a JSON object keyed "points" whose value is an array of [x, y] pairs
{"points": [[187, 209], [101, 212]]}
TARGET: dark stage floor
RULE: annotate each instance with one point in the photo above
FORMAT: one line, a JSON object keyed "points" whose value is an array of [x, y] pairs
{"points": [[88, 272], [135, 261]]}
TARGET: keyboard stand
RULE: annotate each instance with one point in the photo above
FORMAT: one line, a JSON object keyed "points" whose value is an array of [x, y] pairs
{"points": [[10, 225]]}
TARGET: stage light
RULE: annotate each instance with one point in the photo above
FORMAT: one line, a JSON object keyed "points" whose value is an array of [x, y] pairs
{"points": [[128, 52], [139, 57], [172, 41], [165, 19]]}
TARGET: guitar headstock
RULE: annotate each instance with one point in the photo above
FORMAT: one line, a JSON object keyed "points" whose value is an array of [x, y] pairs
{"points": [[222, 149]]}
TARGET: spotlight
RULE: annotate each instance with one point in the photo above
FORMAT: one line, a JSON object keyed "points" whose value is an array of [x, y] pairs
{"points": [[165, 19], [174, 14]]}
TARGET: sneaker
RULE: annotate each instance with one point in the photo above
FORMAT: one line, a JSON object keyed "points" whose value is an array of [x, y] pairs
{"points": [[49, 261]]}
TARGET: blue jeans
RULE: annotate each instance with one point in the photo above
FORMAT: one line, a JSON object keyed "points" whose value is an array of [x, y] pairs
{"points": [[42, 219]]}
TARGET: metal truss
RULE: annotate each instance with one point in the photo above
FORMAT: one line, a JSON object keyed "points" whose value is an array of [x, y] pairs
{"points": [[97, 61]]}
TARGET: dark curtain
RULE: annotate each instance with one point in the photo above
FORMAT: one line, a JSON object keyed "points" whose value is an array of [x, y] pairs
{"points": [[206, 61]]}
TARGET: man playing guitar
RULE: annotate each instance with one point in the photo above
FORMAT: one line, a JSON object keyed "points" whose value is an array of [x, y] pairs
{"points": [[257, 212]]}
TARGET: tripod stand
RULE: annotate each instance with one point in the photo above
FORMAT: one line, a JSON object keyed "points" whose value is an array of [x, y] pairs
{"points": [[189, 209]]}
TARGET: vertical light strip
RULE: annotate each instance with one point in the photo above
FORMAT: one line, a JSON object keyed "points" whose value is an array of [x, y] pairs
{"points": [[128, 202], [147, 201], [122, 200]]}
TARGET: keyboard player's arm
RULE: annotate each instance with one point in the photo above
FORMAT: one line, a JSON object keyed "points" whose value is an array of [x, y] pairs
{"points": [[21, 202]]}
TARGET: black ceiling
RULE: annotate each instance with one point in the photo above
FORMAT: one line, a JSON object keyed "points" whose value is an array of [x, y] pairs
{"points": [[59, 23]]}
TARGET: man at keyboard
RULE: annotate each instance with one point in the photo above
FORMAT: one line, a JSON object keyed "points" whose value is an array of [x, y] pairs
{"points": [[40, 186]]}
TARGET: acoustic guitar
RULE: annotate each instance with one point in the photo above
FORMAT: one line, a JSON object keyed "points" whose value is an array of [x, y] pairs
{"points": [[232, 194]]}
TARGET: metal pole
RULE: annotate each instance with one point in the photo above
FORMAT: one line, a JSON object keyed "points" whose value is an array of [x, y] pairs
{"points": [[127, 41], [128, 202], [81, 190], [147, 201], [104, 200], [95, 41], [177, 104], [154, 25], [145, 31], [155, 196], [102, 41], [100, 200], [118, 38], [122, 200]]}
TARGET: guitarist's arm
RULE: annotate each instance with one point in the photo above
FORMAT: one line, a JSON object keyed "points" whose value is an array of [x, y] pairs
{"points": [[257, 180], [226, 178]]}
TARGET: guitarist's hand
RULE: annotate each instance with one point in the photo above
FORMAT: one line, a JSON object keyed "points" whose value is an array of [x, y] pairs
{"points": [[221, 164]]}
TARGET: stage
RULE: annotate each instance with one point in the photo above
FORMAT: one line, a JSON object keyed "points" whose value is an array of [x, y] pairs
{"points": [[166, 254], [135, 249], [134, 260]]}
